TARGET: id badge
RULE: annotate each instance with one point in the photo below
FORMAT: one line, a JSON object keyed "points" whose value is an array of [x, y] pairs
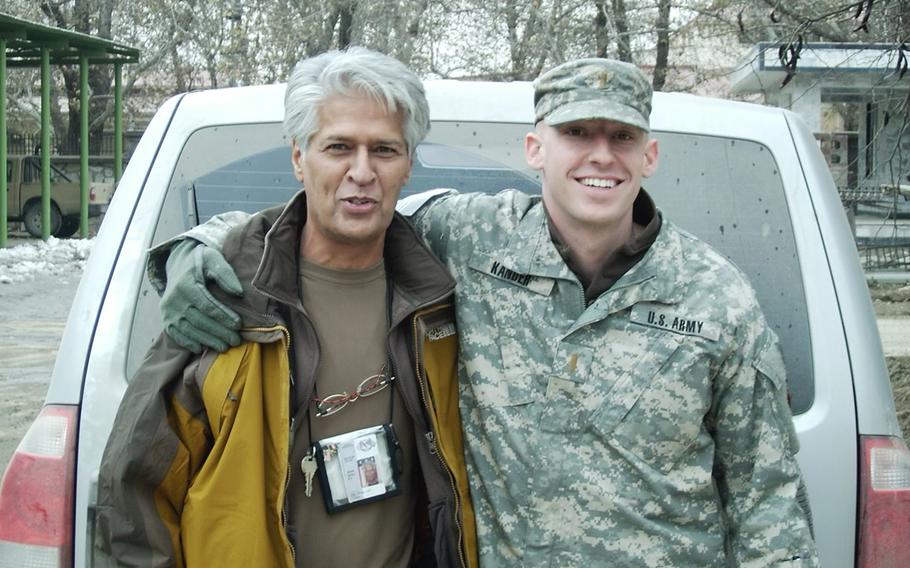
{"points": [[358, 467]]}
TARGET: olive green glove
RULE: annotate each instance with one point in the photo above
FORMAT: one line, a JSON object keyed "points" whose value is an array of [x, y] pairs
{"points": [[191, 315]]}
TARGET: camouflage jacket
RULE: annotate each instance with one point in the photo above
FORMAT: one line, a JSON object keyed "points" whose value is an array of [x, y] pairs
{"points": [[650, 428]]}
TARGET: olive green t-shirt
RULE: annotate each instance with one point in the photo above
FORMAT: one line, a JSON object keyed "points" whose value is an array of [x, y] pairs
{"points": [[348, 311]]}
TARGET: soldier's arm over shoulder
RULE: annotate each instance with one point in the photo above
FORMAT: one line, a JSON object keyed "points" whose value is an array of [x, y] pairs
{"points": [[431, 214], [755, 464], [452, 223], [212, 233]]}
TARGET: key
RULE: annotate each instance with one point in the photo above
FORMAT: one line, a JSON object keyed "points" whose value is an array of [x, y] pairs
{"points": [[308, 466]]}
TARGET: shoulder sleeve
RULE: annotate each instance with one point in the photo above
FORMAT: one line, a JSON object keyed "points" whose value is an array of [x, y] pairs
{"points": [[755, 465], [433, 213]]}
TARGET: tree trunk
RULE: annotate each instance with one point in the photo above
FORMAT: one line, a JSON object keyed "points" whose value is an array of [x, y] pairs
{"points": [[623, 45], [346, 24], [521, 42], [99, 75], [412, 31], [663, 44], [601, 32], [904, 19], [328, 33], [512, 9]]}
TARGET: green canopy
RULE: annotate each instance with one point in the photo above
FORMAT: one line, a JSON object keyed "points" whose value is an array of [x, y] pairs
{"points": [[30, 44]]}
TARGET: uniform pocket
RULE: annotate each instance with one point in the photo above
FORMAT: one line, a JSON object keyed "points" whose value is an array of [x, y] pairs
{"points": [[769, 363], [659, 411], [501, 321]]}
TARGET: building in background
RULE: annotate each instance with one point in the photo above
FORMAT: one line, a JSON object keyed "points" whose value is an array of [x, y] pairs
{"points": [[856, 103]]}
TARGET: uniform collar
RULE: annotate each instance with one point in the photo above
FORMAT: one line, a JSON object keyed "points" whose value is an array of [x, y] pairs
{"points": [[646, 225], [531, 248], [657, 276]]}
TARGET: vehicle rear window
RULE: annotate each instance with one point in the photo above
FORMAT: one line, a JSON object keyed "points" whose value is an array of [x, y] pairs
{"points": [[730, 194], [727, 192]]}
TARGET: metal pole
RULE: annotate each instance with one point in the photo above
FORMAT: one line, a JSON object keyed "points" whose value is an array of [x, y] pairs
{"points": [[118, 121], [83, 146], [45, 143], [4, 186]]}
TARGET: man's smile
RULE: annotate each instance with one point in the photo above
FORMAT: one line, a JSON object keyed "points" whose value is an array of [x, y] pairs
{"points": [[598, 182]]}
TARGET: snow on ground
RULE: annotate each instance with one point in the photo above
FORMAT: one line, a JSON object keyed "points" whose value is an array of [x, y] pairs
{"points": [[56, 256]]}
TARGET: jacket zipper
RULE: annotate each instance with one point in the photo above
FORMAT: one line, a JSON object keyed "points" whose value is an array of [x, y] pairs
{"points": [[284, 506], [287, 474], [431, 440]]}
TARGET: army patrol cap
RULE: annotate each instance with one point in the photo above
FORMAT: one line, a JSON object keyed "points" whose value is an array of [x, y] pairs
{"points": [[588, 89]]}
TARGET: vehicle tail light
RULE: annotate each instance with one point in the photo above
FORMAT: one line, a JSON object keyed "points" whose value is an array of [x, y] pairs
{"points": [[36, 494], [884, 504]]}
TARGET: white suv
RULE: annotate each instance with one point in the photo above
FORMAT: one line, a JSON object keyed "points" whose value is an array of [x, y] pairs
{"points": [[747, 179]]}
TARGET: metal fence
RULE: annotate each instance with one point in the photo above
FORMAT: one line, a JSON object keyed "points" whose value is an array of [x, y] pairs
{"points": [[69, 145], [885, 257], [880, 219]]}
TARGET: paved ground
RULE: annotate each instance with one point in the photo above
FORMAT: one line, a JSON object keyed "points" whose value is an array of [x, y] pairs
{"points": [[34, 314], [895, 334]]}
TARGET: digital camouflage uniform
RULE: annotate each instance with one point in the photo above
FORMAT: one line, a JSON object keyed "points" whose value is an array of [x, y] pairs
{"points": [[635, 431]]}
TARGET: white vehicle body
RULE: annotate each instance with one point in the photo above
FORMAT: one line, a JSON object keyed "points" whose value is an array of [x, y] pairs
{"points": [[842, 394]]}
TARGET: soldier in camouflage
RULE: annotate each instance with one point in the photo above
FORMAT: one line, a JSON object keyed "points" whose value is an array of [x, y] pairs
{"points": [[624, 401]]}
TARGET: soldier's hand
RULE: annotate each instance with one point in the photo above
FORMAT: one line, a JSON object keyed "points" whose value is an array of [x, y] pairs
{"points": [[191, 315]]}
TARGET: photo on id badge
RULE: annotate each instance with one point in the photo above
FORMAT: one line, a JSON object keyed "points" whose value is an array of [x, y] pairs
{"points": [[357, 467]]}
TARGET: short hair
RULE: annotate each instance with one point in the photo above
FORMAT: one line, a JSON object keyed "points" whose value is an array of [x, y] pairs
{"points": [[356, 71]]}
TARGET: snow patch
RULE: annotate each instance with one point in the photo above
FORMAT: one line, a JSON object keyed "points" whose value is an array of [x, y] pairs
{"points": [[56, 256]]}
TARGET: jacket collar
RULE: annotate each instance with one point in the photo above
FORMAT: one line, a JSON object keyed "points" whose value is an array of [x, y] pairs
{"points": [[655, 278], [649, 280], [418, 277]]}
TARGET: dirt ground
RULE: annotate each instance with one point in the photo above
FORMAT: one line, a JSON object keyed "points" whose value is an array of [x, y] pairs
{"points": [[35, 313]]}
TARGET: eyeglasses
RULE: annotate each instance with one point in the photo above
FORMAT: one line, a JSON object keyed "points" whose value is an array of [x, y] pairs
{"points": [[368, 387]]}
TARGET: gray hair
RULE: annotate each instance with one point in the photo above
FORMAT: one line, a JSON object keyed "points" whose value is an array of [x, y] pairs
{"points": [[356, 71]]}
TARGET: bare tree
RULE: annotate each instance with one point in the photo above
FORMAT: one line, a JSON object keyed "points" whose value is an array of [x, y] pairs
{"points": [[209, 43], [611, 22], [89, 17], [663, 45], [623, 41]]}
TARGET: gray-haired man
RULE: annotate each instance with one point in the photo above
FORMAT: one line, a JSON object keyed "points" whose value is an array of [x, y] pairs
{"points": [[620, 408], [312, 442]]}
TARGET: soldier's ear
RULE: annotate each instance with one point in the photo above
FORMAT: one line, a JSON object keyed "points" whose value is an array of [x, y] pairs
{"points": [[534, 150], [650, 158]]}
